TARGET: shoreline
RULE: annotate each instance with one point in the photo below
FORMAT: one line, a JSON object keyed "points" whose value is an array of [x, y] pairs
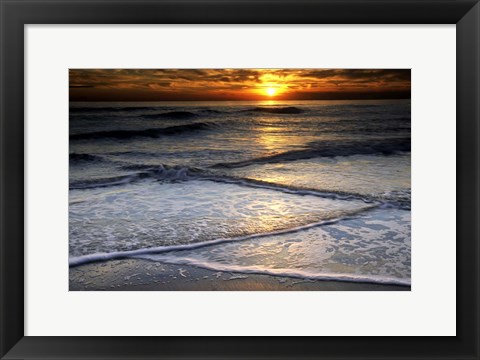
{"points": [[145, 275]]}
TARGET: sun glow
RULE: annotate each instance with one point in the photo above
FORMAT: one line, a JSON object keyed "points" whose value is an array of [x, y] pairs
{"points": [[271, 91], [237, 84]]}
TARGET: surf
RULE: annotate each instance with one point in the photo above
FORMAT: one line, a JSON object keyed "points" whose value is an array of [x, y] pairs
{"points": [[149, 133]]}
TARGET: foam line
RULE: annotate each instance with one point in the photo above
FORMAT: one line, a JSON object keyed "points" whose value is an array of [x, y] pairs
{"points": [[286, 273], [165, 172], [85, 259], [329, 149], [288, 189], [175, 173]]}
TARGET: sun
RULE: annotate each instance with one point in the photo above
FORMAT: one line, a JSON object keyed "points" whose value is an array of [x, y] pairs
{"points": [[271, 91]]}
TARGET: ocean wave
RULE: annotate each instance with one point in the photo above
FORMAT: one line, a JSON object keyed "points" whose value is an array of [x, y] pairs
{"points": [[363, 106], [110, 109], [81, 158], [330, 149], [143, 112], [288, 189], [109, 181], [158, 172], [276, 110], [180, 115], [162, 172], [85, 259], [151, 133], [212, 111], [394, 199], [297, 274]]}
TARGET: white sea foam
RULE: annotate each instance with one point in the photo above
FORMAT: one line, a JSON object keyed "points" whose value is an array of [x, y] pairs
{"points": [[373, 247], [374, 279], [386, 178], [152, 214], [85, 259]]}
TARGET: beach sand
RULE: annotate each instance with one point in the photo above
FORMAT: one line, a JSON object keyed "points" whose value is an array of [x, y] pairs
{"points": [[143, 275]]}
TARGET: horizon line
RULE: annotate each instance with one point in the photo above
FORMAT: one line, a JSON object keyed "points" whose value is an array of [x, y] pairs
{"points": [[266, 100]]}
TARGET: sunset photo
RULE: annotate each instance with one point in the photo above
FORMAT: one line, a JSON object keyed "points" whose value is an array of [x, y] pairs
{"points": [[239, 180]]}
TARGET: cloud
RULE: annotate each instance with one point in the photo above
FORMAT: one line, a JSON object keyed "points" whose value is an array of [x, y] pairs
{"points": [[239, 83]]}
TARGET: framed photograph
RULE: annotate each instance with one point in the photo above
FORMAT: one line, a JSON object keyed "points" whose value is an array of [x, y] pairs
{"points": [[239, 179]]}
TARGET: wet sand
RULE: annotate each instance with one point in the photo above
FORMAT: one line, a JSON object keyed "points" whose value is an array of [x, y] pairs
{"points": [[143, 275]]}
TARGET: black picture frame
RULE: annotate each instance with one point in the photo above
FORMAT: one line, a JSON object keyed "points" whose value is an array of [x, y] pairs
{"points": [[15, 14]]}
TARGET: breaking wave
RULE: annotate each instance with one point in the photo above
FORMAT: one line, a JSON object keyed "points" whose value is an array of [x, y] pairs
{"points": [[171, 115], [151, 112], [150, 133], [178, 173], [276, 110], [160, 172], [88, 110], [330, 149]]}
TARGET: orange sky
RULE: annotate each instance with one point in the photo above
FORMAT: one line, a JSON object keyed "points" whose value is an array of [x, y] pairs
{"points": [[237, 84]]}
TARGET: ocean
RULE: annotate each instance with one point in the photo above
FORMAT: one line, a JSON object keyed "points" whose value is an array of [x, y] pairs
{"points": [[304, 189]]}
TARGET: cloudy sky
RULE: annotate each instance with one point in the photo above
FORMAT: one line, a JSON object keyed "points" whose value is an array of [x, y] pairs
{"points": [[237, 84]]}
